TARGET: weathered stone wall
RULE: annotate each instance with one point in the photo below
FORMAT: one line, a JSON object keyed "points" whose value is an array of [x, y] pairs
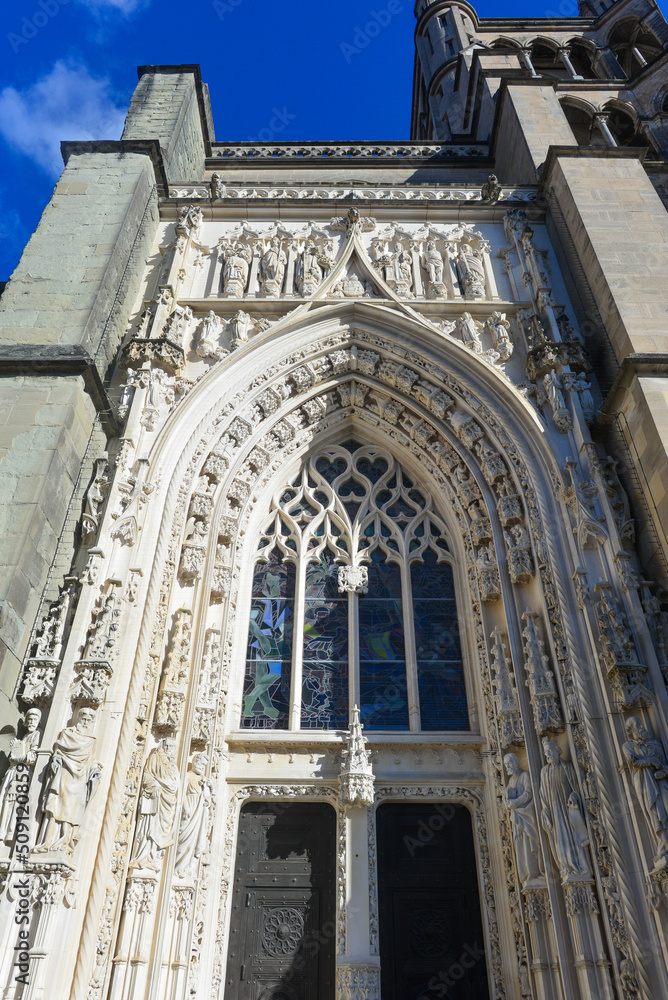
{"points": [[65, 310], [620, 229], [164, 107], [530, 121], [66, 287], [45, 426]]}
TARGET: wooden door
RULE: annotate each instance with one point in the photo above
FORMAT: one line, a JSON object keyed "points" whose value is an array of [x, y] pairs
{"points": [[431, 939], [283, 927]]}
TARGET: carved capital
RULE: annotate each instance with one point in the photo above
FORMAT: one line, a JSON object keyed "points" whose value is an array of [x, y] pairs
{"points": [[358, 982]]}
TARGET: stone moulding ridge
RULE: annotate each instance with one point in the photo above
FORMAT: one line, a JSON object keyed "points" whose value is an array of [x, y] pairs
{"points": [[144, 147]]}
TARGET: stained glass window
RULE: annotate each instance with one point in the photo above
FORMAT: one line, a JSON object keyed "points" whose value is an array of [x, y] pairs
{"points": [[325, 667], [439, 664], [353, 538], [383, 694], [266, 699]]}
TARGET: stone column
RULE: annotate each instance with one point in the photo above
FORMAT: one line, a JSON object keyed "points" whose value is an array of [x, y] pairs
{"points": [[358, 964]]}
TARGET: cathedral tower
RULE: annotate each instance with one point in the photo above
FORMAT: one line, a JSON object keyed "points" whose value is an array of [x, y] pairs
{"points": [[334, 606]]}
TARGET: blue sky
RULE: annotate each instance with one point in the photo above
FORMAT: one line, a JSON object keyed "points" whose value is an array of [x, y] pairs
{"points": [[69, 69]]}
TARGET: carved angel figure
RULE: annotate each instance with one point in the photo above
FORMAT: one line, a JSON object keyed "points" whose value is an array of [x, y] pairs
{"points": [[649, 767], [194, 826], [157, 807], [22, 757], [520, 804], [71, 778], [561, 813]]}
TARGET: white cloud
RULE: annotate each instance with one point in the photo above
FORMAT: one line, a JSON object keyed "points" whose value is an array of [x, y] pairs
{"points": [[68, 103], [124, 6]]}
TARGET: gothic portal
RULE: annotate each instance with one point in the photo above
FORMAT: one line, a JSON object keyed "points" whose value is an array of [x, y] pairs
{"points": [[333, 613]]}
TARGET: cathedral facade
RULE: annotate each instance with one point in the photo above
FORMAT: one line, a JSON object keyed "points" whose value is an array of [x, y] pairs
{"points": [[334, 605]]}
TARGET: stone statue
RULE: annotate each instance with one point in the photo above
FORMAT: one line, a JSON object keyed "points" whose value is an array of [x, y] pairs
{"points": [[71, 777], [519, 801], [235, 270], [432, 260], [491, 190], [649, 767], [241, 325], [402, 270], [217, 187], [194, 827], [499, 328], [471, 273], [157, 807], [311, 267], [469, 330], [207, 345], [272, 269], [22, 757], [561, 813]]}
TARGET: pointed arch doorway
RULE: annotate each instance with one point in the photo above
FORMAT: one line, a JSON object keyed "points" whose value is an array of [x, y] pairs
{"points": [[283, 924], [431, 937]]}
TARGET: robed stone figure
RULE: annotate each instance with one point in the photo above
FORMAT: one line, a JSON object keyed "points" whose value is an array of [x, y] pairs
{"points": [[519, 800], [561, 814], [647, 760], [157, 807], [194, 826], [22, 757], [71, 777]]}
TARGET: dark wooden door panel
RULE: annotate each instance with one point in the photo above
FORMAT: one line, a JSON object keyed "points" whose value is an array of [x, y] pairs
{"points": [[283, 904], [431, 940]]}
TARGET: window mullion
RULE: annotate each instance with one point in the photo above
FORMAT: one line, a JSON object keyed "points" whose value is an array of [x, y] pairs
{"points": [[298, 646], [412, 688], [353, 652]]}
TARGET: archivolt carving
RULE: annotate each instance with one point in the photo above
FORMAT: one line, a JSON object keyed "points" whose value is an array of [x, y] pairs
{"points": [[410, 400]]}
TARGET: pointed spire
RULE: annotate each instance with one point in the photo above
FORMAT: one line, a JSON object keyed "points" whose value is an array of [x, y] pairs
{"points": [[357, 778]]}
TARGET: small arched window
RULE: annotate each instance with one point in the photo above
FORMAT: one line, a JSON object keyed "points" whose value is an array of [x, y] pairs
{"points": [[581, 59], [634, 45], [353, 602]]}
